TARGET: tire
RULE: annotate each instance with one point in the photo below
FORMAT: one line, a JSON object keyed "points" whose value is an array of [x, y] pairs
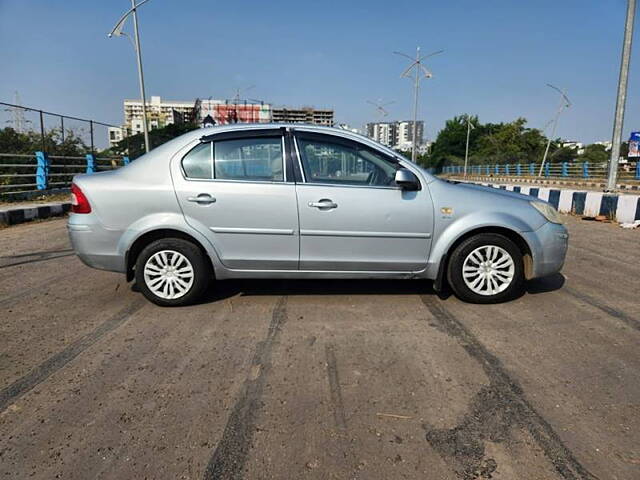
{"points": [[172, 272], [493, 269]]}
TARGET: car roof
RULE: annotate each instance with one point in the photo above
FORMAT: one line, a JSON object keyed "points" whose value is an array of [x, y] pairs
{"points": [[335, 131]]}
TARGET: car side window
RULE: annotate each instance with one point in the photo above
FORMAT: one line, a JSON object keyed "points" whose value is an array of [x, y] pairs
{"points": [[197, 163], [250, 159], [258, 159], [349, 163]]}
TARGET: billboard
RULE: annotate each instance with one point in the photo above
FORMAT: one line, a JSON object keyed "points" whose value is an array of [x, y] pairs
{"points": [[224, 112], [634, 144]]}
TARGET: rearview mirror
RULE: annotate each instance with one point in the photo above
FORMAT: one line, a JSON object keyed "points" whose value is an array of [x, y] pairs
{"points": [[406, 180]]}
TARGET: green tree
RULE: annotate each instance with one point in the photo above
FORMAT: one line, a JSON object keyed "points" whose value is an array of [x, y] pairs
{"points": [[511, 142], [134, 145], [595, 154], [450, 145], [12, 141]]}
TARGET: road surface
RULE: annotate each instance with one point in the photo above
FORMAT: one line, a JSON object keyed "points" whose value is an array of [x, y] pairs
{"points": [[319, 379]]}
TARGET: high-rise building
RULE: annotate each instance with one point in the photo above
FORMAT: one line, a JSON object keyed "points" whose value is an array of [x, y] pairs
{"points": [[160, 113], [398, 135], [383, 132], [302, 115]]}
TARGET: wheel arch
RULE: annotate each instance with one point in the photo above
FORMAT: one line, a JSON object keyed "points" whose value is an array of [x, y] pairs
{"points": [[512, 235], [146, 238]]}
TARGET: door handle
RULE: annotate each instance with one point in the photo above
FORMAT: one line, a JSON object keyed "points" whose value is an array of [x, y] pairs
{"points": [[325, 203], [202, 199]]}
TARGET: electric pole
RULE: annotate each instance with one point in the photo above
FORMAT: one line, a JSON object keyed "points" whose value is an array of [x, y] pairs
{"points": [[622, 96]]}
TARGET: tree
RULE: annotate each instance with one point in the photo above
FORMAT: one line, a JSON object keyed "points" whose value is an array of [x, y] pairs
{"points": [[450, 144], [134, 146], [510, 142], [596, 154], [12, 141]]}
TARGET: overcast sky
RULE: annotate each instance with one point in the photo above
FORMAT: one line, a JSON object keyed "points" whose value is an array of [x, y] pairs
{"points": [[498, 57]]}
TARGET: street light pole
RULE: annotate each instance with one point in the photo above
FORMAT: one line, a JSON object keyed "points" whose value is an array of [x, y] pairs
{"points": [[414, 150], [117, 31], [564, 103], [140, 76], [622, 96], [466, 150], [420, 71]]}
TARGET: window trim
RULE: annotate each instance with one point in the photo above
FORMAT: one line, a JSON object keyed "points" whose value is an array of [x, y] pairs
{"points": [[322, 137], [210, 139]]}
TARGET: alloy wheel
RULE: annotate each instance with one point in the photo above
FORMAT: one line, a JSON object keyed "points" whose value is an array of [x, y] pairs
{"points": [[488, 270], [168, 274]]}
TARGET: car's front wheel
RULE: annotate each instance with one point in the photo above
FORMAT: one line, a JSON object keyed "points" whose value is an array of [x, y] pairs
{"points": [[172, 272], [486, 268]]}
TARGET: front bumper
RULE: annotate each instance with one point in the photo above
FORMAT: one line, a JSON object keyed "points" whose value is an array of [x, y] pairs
{"points": [[548, 246], [95, 245]]}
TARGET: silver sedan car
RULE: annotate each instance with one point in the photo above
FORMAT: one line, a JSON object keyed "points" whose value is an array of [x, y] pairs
{"points": [[300, 201]]}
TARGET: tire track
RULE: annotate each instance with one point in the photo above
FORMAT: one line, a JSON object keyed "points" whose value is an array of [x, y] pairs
{"points": [[59, 360], [35, 288], [42, 258], [334, 388], [603, 307], [34, 254], [231, 454], [495, 410]]}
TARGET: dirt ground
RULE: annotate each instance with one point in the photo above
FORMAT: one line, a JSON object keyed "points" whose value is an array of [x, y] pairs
{"points": [[319, 379]]}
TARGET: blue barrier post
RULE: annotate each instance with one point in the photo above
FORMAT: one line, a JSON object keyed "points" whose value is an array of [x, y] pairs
{"points": [[497, 170], [125, 160], [638, 170], [565, 169], [42, 170], [532, 169], [506, 169], [91, 163], [488, 170], [547, 170], [518, 169], [585, 169]]}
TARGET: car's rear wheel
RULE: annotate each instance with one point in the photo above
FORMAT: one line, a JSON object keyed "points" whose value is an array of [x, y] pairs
{"points": [[486, 268], [172, 272]]}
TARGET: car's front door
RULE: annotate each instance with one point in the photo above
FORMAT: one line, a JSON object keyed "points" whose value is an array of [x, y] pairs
{"points": [[352, 215], [233, 189]]}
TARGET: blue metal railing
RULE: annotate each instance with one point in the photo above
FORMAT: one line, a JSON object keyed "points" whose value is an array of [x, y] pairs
{"points": [[39, 173], [626, 172]]}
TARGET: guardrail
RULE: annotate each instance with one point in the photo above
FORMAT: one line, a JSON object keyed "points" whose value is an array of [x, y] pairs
{"points": [[579, 170], [25, 174]]}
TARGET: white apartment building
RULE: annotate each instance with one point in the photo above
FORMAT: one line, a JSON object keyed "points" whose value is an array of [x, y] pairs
{"points": [[160, 113], [398, 135]]}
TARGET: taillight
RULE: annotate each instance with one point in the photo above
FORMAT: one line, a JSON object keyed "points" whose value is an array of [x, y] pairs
{"points": [[79, 203]]}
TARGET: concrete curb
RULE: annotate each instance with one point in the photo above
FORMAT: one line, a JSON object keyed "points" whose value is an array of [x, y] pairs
{"points": [[622, 208], [541, 181], [25, 213]]}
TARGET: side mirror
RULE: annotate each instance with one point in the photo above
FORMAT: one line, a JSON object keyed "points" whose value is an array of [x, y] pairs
{"points": [[406, 180]]}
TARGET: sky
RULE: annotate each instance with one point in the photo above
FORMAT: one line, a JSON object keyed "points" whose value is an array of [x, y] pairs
{"points": [[498, 57]]}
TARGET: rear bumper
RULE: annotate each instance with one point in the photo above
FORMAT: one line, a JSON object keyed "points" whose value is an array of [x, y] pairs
{"points": [[95, 245], [548, 248]]}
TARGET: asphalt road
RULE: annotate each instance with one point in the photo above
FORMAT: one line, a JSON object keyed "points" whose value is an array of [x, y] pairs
{"points": [[316, 379]]}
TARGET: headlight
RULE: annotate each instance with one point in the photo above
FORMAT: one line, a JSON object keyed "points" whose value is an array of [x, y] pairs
{"points": [[547, 211]]}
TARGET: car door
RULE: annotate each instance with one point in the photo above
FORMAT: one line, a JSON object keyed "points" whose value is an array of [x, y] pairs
{"points": [[233, 188], [352, 215]]}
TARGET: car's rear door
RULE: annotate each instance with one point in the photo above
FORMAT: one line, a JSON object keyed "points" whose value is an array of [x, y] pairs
{"points": [[234, 188], [352, 215]]}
